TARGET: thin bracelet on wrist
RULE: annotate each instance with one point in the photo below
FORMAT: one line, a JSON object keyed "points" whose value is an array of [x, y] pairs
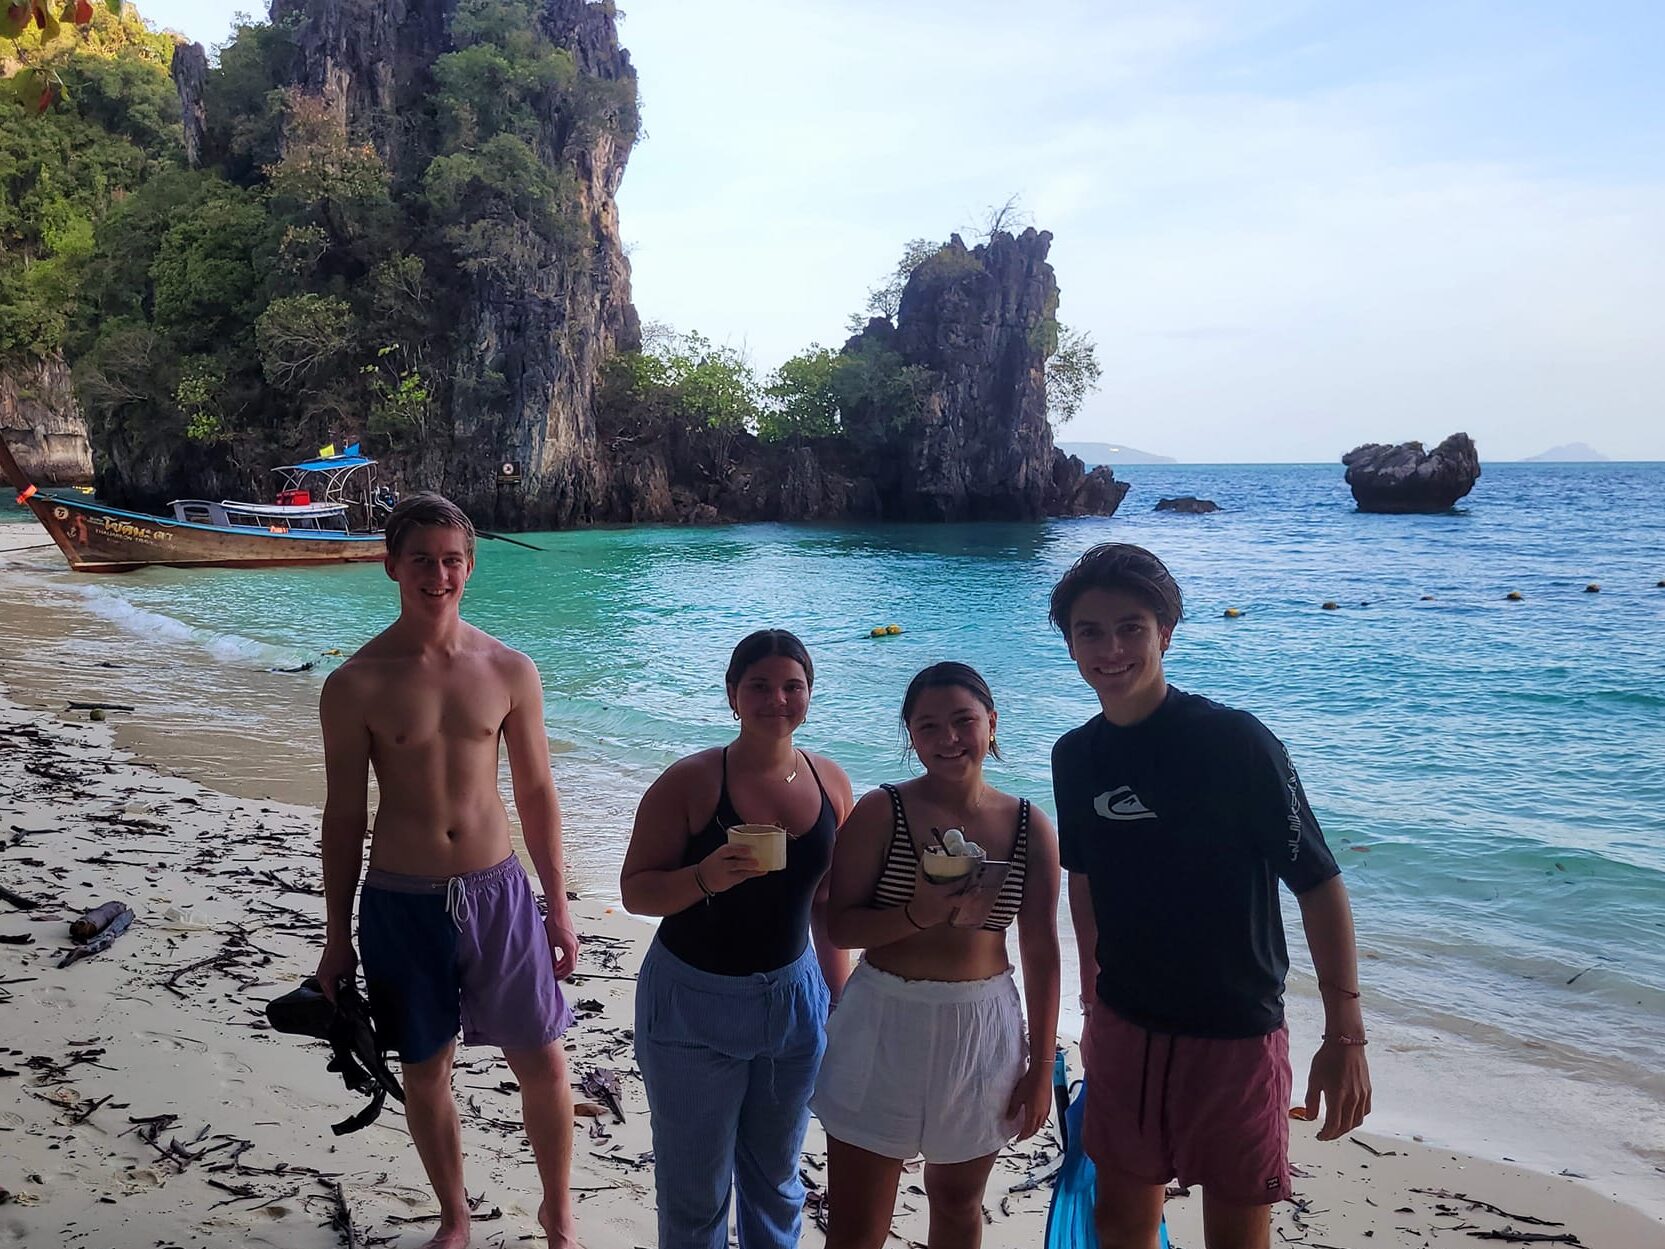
{"points": [[700, 881], [907, 911], [1341, 1038]]}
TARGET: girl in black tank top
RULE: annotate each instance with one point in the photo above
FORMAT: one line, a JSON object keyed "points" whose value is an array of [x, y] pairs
{"points": [[732, 999], [760, 924]]}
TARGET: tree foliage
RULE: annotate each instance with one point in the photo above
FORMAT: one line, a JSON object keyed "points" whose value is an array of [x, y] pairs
{"points": [[61, 171], [885, 299], [1072, 371], [710, 384], [291, 288]]}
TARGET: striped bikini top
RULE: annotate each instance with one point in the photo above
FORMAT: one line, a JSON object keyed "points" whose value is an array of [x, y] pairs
{"points": [[901, 870]]}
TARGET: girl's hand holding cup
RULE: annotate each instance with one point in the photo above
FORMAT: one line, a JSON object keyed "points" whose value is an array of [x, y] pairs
{"points": [[726, 866]]}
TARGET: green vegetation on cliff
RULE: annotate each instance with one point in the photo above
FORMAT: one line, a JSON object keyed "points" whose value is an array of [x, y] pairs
{"points": [[294, 287], [114, 125]]}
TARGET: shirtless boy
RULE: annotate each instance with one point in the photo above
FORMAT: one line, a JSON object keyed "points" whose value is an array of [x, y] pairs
{"points": [[448, 925], [1177, 820]]}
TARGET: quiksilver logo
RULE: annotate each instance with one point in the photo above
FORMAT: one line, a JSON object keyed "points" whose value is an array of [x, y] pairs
{"points": [[1122, 804]]}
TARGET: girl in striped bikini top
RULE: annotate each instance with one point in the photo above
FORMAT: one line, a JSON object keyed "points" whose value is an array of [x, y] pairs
{"points": [[901, 870], [931, 1050]]}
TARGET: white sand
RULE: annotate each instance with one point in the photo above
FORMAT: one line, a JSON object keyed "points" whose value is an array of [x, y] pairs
{"points": [[82, 824]]}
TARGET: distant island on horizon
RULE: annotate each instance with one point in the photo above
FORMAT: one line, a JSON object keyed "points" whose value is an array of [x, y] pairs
{"points": [[1091, 453], [1568, 453]]}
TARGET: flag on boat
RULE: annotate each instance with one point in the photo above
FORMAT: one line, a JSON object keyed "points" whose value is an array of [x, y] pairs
{"points": [[326, 452]]}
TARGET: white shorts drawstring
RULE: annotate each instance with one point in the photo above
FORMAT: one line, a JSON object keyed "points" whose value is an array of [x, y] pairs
{"points": [[458, 905]]}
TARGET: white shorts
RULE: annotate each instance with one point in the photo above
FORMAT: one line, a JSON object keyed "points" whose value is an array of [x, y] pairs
{"points": [[922, 1066]]}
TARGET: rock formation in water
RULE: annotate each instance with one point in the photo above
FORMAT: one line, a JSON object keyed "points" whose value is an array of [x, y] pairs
{"points": [[1187, 504], [982, 322], [971, 442], [513, 313], [42, 424], [1405, 478]]}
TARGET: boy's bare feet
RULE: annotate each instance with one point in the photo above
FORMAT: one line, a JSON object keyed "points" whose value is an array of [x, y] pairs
{"points": [[562, 1235], [451, 1235]]}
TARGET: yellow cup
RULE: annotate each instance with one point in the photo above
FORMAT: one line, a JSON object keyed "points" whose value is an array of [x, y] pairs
{"points": [[767, 843]]}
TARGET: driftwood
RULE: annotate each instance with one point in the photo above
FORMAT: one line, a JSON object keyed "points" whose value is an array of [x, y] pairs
{"points": [[17, 899], [103, 941], [95, 921], [341, 1218], [1474, 1203], [98, 707], [1513, 1237]]}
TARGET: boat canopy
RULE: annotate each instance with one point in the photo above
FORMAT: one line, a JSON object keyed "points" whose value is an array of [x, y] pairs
{"points": [[334, 463], [284, 509]]}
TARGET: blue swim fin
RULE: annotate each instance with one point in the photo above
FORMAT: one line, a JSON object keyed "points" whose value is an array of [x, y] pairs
{"points": [[1069, 1220]]}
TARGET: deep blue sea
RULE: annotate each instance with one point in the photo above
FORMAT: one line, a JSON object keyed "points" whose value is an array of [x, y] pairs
{"points": [[1491, 773]]}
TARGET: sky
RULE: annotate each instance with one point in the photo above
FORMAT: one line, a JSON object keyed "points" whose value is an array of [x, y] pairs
{"points": [[1289, 226]]}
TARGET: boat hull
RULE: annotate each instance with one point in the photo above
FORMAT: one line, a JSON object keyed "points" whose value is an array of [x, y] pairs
{"points": [[96, 538]]}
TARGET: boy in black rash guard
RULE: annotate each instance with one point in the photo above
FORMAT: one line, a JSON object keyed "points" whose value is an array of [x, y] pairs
{"points": [[1177, 818]]}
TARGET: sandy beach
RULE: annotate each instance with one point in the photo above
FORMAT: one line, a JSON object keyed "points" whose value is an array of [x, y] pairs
{"points": [[144, 1100]]}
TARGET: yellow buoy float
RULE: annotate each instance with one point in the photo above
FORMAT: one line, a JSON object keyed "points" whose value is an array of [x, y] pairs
{"points": [[1592, 588], [1515, 596], [877, 631], [1232, 613], [893, 629]]}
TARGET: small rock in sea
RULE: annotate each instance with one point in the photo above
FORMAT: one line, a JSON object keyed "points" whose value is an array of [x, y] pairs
{"points": [[1592, 588], [1188, 504], [1427, 598], [1331, 605]]}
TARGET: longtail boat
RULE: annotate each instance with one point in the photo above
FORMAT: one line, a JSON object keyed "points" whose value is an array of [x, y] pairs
{"points": [[311, 522]]}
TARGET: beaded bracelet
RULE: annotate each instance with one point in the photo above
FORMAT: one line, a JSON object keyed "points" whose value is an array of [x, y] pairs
{"points": [[1341, 1038]]}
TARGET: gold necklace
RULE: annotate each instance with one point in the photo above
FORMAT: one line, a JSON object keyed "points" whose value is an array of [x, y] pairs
{"points": [[793, 774]]}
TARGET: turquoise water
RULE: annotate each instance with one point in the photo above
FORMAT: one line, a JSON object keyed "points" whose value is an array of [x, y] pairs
{"points": [[1492, 774]]}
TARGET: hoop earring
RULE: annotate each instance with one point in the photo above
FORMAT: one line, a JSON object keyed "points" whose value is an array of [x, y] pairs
{"points": [[994, 746], [736, 715]]}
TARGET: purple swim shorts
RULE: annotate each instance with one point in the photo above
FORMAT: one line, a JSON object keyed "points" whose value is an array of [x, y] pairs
{"points": [[442, 953]]}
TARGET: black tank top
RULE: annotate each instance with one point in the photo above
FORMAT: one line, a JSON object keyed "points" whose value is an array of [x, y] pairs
{"points": [[761, 924]]}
